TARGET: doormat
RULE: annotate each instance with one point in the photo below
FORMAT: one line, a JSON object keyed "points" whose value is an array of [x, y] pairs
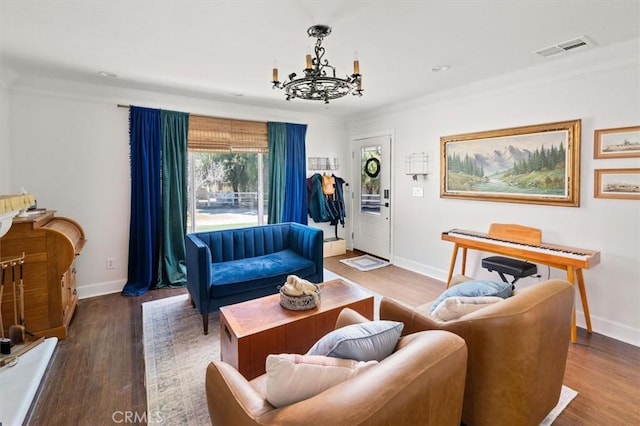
{"points": [[365, 263]]}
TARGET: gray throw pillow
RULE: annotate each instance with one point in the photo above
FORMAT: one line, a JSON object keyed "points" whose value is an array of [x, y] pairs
{"points": [[374, 340]]}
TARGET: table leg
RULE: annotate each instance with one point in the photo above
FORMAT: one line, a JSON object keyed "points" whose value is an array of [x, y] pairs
{"points": [[454, 256], [570, 278], [583, 297], [464, 260]]}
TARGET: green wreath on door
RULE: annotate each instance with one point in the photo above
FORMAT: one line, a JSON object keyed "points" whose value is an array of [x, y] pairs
{"points": [[372, 167]]}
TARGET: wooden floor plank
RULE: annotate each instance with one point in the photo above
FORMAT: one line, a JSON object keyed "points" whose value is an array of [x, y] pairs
{"points": [[97, 373]]}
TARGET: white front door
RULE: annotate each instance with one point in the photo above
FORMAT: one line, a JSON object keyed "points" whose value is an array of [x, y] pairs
{"points": [[372, 196]]}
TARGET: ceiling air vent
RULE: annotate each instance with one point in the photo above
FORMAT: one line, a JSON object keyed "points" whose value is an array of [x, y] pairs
{"points": [[577, 43]]}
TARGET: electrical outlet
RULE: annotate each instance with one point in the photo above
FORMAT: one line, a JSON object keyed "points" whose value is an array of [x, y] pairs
{"points": [[111, 263], [418, 192]]}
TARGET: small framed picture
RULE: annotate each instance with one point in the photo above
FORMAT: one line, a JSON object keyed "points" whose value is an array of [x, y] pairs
{"points": [[622, 142], [617, 183]]}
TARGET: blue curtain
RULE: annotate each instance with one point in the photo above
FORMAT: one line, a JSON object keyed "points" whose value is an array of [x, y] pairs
{"points": [[295, 198], [287, 182], [173, 253], [146, 205], [157, 253]]}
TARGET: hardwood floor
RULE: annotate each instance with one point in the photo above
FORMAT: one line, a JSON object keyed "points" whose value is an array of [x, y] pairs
{"points": [[97, 374]]}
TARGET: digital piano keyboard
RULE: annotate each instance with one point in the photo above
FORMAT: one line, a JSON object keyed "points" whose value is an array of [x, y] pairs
{"points": [[526, 244], [549, 254]]}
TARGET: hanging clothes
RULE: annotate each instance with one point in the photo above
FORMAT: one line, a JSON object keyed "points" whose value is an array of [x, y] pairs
{"points": [[336, 201], [319, 208], [326, 199]]}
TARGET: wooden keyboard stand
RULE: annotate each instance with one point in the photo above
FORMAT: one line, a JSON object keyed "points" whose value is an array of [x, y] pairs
{"points": [[528, 237]]}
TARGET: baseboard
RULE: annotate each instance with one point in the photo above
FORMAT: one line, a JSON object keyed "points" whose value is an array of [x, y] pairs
{"points": [[100, 289], [612, 329], [419, 268]]}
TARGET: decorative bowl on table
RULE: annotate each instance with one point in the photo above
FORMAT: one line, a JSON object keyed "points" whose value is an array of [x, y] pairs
{"points": [[299, 303]]}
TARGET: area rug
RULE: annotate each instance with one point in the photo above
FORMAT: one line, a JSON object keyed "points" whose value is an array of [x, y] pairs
{"points": [[365, 262], [176, 355]]}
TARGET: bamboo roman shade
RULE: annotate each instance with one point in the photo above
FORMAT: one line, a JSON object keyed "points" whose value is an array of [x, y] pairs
{"points": [[214, 134]]}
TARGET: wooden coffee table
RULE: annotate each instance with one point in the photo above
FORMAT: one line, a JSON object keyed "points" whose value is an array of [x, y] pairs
{"points": [[249, 331]]}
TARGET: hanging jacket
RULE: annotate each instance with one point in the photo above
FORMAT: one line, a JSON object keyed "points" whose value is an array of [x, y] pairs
{"points": [[319, 208], [337, 202]]}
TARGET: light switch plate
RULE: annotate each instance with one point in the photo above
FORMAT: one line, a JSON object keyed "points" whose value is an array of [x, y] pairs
{"points": [[418, 192]]}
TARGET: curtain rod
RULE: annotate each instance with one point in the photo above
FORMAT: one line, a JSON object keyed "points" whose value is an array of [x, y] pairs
{"points": [[206, 116]]}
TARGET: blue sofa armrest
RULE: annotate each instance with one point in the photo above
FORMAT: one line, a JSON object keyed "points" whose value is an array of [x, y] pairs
{"points": [[199, 271], [308, 242]]}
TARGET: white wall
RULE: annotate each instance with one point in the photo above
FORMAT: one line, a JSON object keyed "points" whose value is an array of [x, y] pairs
{"points": [[600, 87], [70, 147], [5, 167]]}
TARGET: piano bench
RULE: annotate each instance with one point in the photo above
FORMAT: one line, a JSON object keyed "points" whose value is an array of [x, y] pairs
{"points": [[505, 265]]}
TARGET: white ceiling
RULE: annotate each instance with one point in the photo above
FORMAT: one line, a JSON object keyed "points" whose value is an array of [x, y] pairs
{"points": [[227, 48]]}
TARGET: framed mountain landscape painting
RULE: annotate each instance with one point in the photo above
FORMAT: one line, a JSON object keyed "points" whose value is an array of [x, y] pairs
{"points": [[537, 164]]}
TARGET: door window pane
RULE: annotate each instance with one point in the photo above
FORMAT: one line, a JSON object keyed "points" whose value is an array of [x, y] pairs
{"points": [[370, 179]]}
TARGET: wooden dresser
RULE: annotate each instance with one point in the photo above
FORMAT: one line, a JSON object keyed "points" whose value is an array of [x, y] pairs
{"points": [[50, 245]]}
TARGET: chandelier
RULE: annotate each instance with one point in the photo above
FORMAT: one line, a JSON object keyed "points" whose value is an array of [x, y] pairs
{"points": [[320, 82]]}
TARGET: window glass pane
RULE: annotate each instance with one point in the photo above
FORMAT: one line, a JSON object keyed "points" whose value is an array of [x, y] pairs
{"points": [[224, 190], [370, 179]]}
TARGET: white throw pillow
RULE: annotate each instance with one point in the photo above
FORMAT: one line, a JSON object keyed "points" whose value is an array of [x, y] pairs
{"points": [[475, 288], [292, 378], [454, 307]]}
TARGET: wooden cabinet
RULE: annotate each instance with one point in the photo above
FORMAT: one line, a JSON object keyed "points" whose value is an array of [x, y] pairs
{"points": [[50, 245]]}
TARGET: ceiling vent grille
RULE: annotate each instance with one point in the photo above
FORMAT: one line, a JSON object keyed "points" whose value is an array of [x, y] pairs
{"points": [[566, 46]]}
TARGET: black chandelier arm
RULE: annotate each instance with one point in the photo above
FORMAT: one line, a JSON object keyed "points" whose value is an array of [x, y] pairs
{"points": [[319, 54]]}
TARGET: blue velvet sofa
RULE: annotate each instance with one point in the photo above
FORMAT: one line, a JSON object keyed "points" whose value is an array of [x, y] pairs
{"points": [[235, 265]]}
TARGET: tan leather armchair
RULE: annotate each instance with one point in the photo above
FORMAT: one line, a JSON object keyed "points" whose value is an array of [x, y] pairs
{"points": [[517, 352], [421, 383]]}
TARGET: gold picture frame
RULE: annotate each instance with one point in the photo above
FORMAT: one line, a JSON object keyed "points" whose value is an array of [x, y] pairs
{"points": [[537, 164], [623, 184], [620, 142]]}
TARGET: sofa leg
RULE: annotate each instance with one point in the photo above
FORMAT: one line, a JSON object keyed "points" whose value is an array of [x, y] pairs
{"points": [[205, 323]]}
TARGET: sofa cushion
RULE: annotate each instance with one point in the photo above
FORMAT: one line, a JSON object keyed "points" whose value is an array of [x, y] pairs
{"points": [[454, 307], [373, 340], [292, 378], [474, 289], [238, 276]]}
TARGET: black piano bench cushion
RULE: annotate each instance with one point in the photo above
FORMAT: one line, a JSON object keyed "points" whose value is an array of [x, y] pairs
{"points": [[475, 288]]}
